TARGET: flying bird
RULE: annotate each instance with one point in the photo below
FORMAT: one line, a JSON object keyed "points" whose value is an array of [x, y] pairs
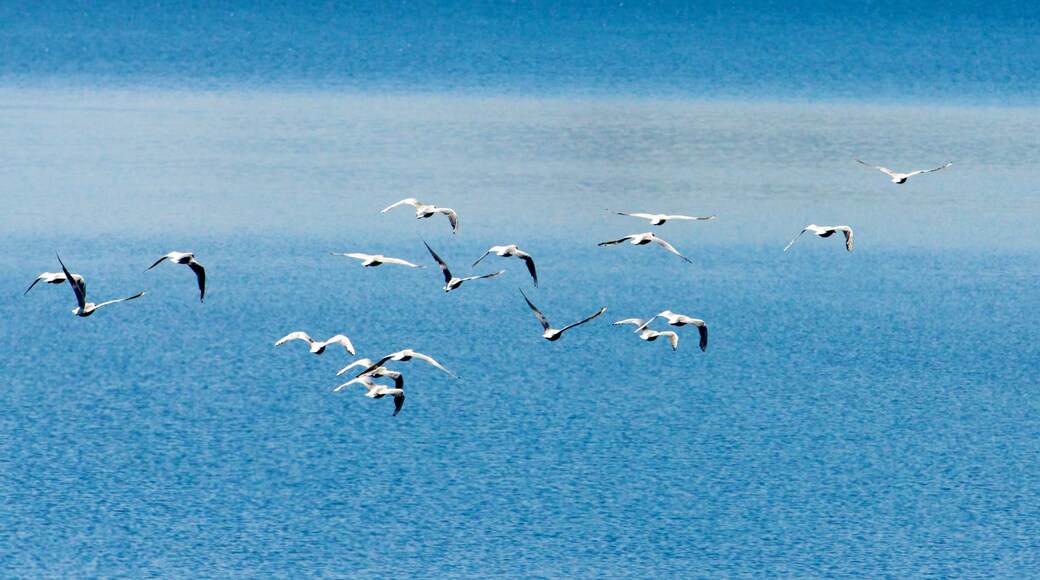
{"points": [[56, 278], [373, 260], [551, 334], [902, 177], [652, 335], [189, 259], [451, 282], [405, 355], [377, 391], [423, 210], [680, 320], [375, 372], [657, 219], [317, 347], [512, 250], [87, 308], [826, 231], [643, 239], [636, 321]]}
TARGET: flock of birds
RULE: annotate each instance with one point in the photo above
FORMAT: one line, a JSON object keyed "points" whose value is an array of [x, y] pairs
{"points": [[371, 370]]}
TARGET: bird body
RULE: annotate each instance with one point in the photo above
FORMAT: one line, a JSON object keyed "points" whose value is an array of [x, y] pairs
{"points": [[824, 232], [512, 250], [317, 347], [644, 239], [373, 260], [187, 258], [85, 308], [423, 210], [900, 178], [552, 334], [56, 278], [451, 282], [657, 219]]}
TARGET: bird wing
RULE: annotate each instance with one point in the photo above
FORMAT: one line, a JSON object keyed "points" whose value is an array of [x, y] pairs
{"points": [[848, 236], [479, 277], [538, 313], [375, 365], [612, 242], [482, 257], [635, 321], [80, 290], [410, 201], [801, 232], [919, 171], [452, 217], [530, 265], [361, 361], [430, 360], [688, 217], [638, 215], [398, 402], [878, 167], [33, 284], [401, 262], [157, 262], [703, 329], [298, 335], [355, 255], [669, 247], [444, 267], [596, 315], [673, 338], [200, 273], [343, 340], [366, 381], [135, 296], [647, 323]]}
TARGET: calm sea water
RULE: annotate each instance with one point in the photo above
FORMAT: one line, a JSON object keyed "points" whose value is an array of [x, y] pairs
{"points": [[856, 414]]}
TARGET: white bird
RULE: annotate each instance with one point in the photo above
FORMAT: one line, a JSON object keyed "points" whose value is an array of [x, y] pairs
{"points": [[451, 282], [643, 239], [652, 335], [87, 308], [680, 320], [56, 278], [317, 347], [512, 250], [551, 334], [189, 259], [636, 321], [405, 355], [377, 391], [902, 177], [423, 210], [826, 231], [373, 260], [657, 219], [375, 372]]}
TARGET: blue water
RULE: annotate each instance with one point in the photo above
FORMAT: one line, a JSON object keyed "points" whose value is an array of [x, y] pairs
{"points": [[860, 414]]}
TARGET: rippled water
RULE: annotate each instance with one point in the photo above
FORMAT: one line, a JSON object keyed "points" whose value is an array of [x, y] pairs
{"points": [[861, 414]]}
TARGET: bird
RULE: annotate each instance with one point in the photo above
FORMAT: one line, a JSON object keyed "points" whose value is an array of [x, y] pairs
{"points": [[451, 282], [636, 321], [643, 239], [56, 278], [189, 259], [512, 250], [87, 308], [680, 320], [423, 210], [652, 335], [405, 355], [902, 177], [373, 260], [657, 219], [375, 372], [551, 334], [377, 391], [317, 347], [826, 231]]}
